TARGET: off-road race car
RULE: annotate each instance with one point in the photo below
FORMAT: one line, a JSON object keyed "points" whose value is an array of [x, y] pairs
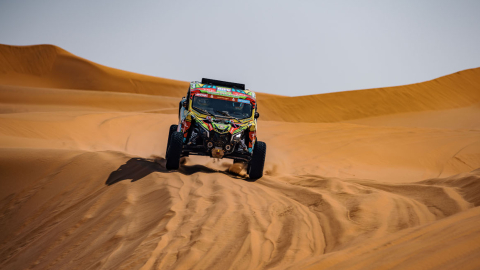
{"points": [[217, 119]]}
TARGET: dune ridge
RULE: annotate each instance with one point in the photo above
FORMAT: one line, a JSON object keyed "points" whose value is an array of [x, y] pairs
{"points": [[52, 67], [48, 66], [368, 185], [456, 90]]}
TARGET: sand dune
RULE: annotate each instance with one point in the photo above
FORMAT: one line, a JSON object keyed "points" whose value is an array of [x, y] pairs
{"points": [[449, 92], [53, 67], [358, 184], [49, 66]]}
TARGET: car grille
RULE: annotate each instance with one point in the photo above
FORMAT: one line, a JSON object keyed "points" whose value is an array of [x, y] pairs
{"points": [[220, 140]]}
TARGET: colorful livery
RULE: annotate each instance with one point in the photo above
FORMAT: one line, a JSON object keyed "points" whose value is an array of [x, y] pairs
{"points": [[218, 119]]}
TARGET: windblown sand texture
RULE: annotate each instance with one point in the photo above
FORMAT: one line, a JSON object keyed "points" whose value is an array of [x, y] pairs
{"points": [[375, 179]]}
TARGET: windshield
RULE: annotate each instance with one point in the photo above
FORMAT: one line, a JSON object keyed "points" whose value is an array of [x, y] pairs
{"points": [[220, 107]]}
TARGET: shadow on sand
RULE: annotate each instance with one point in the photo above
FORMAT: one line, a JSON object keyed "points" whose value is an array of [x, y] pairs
{"points": [[137, 168]]}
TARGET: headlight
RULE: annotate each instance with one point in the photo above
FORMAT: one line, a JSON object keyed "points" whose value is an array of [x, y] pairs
{"points": [[237, 136]]}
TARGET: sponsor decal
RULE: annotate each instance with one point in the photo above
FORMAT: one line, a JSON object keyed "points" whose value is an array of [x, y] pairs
{"points": [[223, 89], [233, 129], [212, 93], [201, 95], [212, 89], [209, 90], [243, 101], [222, 97], [185, 127], [238, 94], [226, 94], [252, 136]]}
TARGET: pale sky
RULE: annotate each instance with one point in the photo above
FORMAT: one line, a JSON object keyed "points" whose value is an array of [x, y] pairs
{"points": [[285, 47]]}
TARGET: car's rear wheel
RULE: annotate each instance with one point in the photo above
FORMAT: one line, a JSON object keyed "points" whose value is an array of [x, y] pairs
{"points": [[173, 128], [174, 151], [255, 167]]}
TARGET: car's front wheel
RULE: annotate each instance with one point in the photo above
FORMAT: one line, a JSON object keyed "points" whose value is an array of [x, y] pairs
{"points": [[255, 167], [173, 128], [174, 151]]}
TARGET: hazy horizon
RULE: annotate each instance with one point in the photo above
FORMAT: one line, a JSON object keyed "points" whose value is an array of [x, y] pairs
{"points": [[282, 47]]}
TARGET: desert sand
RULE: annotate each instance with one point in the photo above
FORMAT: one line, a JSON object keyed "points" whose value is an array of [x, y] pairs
{"points": [[371, 179]]}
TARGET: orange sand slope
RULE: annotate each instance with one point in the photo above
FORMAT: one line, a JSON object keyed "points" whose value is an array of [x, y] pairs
{"points": [[358, 184], [452, 91], [53, 67]]}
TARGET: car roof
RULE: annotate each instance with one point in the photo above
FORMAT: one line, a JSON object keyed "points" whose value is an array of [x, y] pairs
{"points": [[222, 90]]}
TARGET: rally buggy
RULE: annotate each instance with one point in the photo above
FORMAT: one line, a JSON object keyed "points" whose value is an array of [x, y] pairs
{"points": [[217, 119]]}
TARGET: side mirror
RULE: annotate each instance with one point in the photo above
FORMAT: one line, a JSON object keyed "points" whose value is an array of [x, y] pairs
{"points": [[257, 115], [185, 104]]}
